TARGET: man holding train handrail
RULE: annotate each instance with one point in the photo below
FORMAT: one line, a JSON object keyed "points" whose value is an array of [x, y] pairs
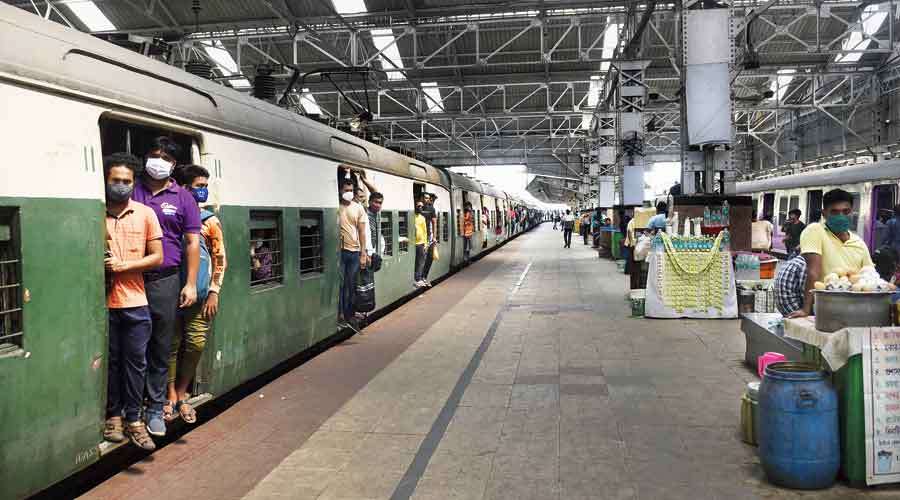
{"points": [[830, 246]]}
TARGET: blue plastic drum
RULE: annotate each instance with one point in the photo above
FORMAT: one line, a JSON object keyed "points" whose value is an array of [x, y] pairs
{"points": [[799, 444]]}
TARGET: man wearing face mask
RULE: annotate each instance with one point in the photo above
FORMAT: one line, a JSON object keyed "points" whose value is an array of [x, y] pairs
{"points": [[830, 246], [189, 339], [179, 218], [134, 241], [353, 221]]}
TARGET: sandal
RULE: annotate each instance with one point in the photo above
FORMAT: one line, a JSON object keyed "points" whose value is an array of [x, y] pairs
{"points": [[169, 411], [186, 411]]}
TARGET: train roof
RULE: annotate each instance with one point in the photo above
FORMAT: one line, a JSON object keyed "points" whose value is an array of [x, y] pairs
{"points": [[68, 61], [877, 171]]}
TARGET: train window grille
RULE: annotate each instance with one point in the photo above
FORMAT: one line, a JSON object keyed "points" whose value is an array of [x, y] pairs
{"points": [[459, 231], [403, 230], [445, 227], [11, 322], [311, 242], [266, 262], [387, 232]]}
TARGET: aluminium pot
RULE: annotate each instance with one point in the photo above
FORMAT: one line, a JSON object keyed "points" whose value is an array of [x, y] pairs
{"points": [[837, 310]]}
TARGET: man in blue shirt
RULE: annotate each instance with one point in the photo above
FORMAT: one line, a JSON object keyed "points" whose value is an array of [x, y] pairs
{"points": [[658, 221]]}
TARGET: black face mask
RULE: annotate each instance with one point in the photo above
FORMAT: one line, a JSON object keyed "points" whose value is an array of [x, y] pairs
{"points": [[118, 193]]}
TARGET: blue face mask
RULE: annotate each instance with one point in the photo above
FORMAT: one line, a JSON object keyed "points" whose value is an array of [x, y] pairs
{"points": [[838, 223], [200, 194]]}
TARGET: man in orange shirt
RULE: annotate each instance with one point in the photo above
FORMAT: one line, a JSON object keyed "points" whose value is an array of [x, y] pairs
{"points": [[134, 245], [468, 230]]}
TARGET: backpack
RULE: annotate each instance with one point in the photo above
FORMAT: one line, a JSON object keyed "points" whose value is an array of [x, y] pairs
{"points": [[204, 269]]}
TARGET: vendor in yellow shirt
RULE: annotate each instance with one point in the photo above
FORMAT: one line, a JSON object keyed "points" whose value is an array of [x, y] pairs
{"points": [[831, 247]]}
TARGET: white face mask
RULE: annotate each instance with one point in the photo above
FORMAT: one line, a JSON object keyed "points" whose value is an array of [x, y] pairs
{"points": [[158, 168], [348, 196], [258, 244]]}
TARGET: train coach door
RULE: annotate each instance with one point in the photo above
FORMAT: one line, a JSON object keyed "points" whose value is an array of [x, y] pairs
{"points": [[813, 206], [768, 205], [883, 198]]}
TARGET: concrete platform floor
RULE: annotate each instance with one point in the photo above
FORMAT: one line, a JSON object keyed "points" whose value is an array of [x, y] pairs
{"points": [[522, 377]]}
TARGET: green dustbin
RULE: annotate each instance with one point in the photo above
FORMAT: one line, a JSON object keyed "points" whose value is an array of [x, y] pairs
{"points": [[848, 382], [617, 245]]}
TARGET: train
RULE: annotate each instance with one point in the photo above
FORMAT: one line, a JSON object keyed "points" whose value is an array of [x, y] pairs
{"points": [[874, 187], [68, 100]]}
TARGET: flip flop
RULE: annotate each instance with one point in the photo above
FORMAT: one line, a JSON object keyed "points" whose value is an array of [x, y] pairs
{"points": [[169, 412], [186, 411]]}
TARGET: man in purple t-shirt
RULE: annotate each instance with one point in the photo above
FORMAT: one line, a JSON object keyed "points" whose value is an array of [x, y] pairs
{"points": [[179, 217]]}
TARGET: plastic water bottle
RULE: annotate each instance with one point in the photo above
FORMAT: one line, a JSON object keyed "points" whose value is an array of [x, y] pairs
{"points": [[725, 214]]}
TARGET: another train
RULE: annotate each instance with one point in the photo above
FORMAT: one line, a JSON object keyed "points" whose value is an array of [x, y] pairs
{"points": [[874, 187], [68, 100]]}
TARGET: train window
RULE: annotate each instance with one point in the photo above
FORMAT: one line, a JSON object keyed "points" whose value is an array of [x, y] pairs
{"points": [[445, 227], [265, 248], [311, 242], [387, 232], [403, 230], [782, 210], [11, 327]]}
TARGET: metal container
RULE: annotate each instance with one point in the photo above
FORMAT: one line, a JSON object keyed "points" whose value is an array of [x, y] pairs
{"points": [[836, 310]]}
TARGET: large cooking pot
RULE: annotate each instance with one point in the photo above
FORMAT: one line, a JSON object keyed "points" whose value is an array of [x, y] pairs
{"points": [[836, 310]]}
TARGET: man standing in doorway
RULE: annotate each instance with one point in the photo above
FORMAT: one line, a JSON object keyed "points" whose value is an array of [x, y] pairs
{"points": [[353, 221], [468, 230], [568, 223], [430, 214], [179, 217], [134, 241]]}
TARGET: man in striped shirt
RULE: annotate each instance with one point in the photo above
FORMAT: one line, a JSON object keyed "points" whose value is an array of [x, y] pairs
{"points": [[790, 281]]}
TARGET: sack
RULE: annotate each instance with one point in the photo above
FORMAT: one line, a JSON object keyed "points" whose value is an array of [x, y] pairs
{"points": [[642, 247], [204, 269], [376, 263], [365, 291], [434, 253]]}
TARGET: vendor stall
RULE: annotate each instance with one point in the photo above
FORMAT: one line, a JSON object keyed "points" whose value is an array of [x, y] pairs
{"points": [[690, 277], [851, 338]]}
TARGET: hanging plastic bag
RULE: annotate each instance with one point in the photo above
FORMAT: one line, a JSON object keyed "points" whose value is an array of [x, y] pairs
{"points": [[642, 247], [435, 254]]}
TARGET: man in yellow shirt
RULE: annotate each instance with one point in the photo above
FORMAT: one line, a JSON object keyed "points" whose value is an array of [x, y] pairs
{"points": [[352, 220], [421, 244], [831, 246]]}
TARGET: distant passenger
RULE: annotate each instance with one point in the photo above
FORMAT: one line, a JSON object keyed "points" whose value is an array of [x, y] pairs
{"points": [[585, 228], [179, 218], [568, 223], [658, 222], [260, 259], [134, 245], [189, 340], [430, 214], [421, 244], [831, 247], [353, 222], [596, 224], [468, 230], [792, 229], [761, 234], [373, 211]]}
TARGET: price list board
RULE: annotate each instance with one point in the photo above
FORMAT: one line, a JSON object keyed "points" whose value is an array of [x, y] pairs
{"points": [[881, 382]]}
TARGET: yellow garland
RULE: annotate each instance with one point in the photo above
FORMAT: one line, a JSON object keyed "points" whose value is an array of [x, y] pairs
{"points": [[682, 285], [692, 266]]}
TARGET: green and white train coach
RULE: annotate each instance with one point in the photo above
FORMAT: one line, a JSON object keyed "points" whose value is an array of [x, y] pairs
{"points": [[68, 100]]}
